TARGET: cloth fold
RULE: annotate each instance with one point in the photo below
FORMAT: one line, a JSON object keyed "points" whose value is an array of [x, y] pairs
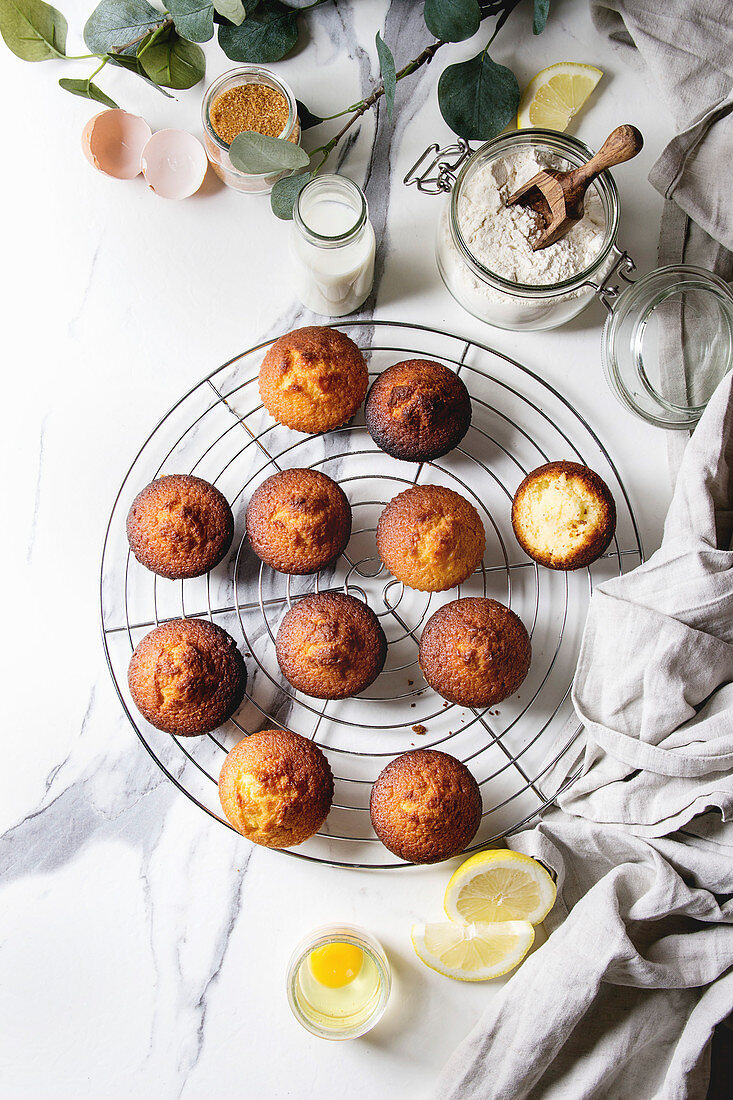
{"points": [[622, 1000]]}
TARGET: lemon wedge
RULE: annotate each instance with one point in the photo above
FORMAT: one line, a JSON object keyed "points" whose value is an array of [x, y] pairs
{"points": [[556, 95], [472, 952], [500, 886]]}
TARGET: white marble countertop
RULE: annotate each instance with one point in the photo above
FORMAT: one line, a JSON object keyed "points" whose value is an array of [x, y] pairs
{"points": [[143, 945]]}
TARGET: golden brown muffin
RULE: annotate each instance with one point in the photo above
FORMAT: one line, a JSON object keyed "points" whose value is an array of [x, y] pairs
{"points": [[330, 646], [425, 806], [187, 676], [430, 538], [276, 788], [313, 379], [475, 652], [417, 410], [298, 521], [180, 526], [563, 515]]}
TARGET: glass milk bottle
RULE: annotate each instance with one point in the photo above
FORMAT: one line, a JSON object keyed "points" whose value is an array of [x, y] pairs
{"points": [[332, 246]]}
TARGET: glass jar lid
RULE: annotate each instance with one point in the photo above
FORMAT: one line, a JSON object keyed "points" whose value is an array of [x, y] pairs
{"points": [[667, 343]]}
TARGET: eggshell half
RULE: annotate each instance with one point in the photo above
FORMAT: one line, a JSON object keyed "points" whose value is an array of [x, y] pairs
{"points": [[174, 164], [113, 142]]}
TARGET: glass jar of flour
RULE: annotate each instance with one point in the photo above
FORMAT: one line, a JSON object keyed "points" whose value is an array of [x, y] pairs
{"points": [[332, 246], [484, 250]]}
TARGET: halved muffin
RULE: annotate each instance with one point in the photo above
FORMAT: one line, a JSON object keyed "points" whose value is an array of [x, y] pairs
{"points": [[563, 515]]}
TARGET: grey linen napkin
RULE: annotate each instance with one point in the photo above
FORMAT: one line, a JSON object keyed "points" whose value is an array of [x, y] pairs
{"points": [[686, 49], [621, 1001]]}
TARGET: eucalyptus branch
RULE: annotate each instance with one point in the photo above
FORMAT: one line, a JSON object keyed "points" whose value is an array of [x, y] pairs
{"points": [[360, 109], [167, 22]]}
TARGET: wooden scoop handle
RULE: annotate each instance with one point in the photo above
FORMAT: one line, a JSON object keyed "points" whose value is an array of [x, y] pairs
{"points": [[620, 145]]}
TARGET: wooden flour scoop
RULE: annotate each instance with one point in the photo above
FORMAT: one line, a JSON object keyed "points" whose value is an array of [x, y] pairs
{"points": [[558, 196]]}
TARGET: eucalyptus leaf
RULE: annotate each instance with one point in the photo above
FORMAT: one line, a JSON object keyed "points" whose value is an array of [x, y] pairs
{"points": [[259, 154], [388, 72], [284, 194], [132, 64], [233, 10], [34, 31], [114, 23], [194, 19], [453, 20], [87, 90], [266, 35], [539, 19], [174, 62], [307, 118], [478, 98]]}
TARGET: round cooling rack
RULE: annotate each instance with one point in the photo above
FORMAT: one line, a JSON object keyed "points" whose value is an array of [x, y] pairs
{"points": [[521, 752]]}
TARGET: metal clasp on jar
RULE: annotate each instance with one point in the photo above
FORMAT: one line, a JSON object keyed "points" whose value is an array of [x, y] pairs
{"points": [[439, 173], [609, 289]]}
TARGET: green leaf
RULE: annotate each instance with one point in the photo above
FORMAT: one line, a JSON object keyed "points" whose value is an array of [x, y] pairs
{"points": [[266, 35], [539, 19], [259, 154], [387, 69], [453, 20], [134, 66], [478, 98], [307, 118], [174, 62], [34, 31], [284, 194], [194, 19], [233, 10], [113, 23], [86, 90]]}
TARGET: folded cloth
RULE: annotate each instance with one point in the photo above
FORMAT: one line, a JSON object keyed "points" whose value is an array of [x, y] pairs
{"points": [[621, 1001], [686, 48]]}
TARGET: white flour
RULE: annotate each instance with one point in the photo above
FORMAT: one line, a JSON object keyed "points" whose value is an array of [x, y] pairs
{"points": [[500, 237]]}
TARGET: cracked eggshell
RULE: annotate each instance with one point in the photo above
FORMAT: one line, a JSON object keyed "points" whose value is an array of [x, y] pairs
{"points": [[113, 142], [174, 164]]}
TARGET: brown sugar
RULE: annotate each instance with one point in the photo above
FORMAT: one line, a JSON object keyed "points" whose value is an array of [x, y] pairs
{"points": [[249, 106]]}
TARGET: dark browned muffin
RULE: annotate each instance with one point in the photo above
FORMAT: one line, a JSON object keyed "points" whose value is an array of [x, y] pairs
{"points": [[313, 379], [475, 652], [298, 521], [180, 526], [430, 538], [563, 515], [187, 676], [276, 788], [425, 806], [330, 646], [418, 410]]}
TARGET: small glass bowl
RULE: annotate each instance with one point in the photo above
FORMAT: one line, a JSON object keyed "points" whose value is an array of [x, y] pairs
{"points": [[494, 299], [365, 1020], [217, 150]]}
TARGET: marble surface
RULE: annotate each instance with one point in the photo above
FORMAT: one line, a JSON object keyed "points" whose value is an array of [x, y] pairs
{"points": [[143, 946]]}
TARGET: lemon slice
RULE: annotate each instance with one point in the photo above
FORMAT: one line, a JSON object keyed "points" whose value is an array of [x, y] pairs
{"points": [[556, 94], [500, 886], [472, 952]]}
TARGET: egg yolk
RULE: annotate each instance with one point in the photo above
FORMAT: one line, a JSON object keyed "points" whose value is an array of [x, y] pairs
{"points": [[336, 964]]}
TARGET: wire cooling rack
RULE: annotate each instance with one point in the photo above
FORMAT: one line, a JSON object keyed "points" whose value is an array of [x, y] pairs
{"points": [[220, 431]]}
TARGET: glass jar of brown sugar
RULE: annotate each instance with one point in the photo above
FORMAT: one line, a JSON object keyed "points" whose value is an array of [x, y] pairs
{"points": [[247, 98]]}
